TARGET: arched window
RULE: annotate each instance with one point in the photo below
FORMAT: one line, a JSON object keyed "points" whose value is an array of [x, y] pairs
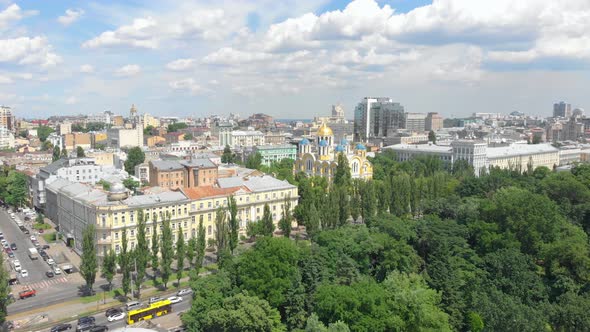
{"points": [[309, 165]]}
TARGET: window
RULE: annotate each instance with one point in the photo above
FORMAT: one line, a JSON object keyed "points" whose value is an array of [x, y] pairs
{"points": [[173, 226], [131, 215], [116, 220], [209, 216], [193, 206], [117, 249], [132, 232], [180, 211], [201, 218], [184, 210], [209, 204], [185, 224], [209, 229], [201, 206], [123, 219], [116, 235]]}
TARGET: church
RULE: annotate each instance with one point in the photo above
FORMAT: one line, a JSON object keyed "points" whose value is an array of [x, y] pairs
{"points": [[321, 157]]}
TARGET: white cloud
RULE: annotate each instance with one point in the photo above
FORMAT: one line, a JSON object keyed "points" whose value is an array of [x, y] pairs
{"points": [[71, 16], [204, 24], [187, 84], [128, 71], [230, 56], [71, 100], [180, 64], [12, 14], [142, 33], [28, 51], [87, 69], [5, 79]]}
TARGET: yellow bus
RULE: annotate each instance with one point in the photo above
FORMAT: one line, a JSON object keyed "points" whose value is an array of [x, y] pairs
{"points": [[155, 309]]}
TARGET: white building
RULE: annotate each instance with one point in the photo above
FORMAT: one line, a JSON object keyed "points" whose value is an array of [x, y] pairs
{"points": [[568, 156], [482, 157], [7, 140], [120, 137], [246, 138], [104, 117]]}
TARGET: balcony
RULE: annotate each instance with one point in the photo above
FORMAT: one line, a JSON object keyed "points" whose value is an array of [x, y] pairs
{"points": [[108, 240]]}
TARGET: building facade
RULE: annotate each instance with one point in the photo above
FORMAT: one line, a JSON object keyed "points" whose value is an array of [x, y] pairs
{"points": [[377, 117], [7, 119], [276, 153], [415, 122], [246, 138], [434, 122], [562, 110], [120, 137], [321, 158]]}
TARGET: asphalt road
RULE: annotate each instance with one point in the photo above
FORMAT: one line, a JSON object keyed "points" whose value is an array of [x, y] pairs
{"points": [[101, 319]]}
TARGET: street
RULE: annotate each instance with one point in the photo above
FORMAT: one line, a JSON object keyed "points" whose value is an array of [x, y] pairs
{"points": [[101, 319]]}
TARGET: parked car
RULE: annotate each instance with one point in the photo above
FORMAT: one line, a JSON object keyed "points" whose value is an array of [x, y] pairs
{"points": [[86, 319], [133, 305], [33, 238], [50, 261], [45, 246], [27, 293], [49, 274], [116, 316], [24, 273], [56, 270], [61, 327], [13, 246], [99, 328], [184, 291], [175, 299], [10, 254]]}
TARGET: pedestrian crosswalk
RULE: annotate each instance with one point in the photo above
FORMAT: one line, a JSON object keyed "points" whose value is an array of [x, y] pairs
{"points": [[46, 283]]}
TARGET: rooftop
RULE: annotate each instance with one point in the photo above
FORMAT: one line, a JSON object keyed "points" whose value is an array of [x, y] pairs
{"points": [[254, 183], [520, 150], [210, 191], [420, 147], [166, 164]]}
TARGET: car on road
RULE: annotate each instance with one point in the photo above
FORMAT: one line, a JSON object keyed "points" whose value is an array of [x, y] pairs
{"points": [[33, 238], [5, 245], [50, 274], [133, 305], [45, 246], [84, 327], [184, 292], [24, 273], [100, 328], [116, 316], [112, 311], [175, 299], [56, 270], [10, 253], [154, 299], [61, 327], [16, 264], [27, 293], [50, 261], [13, 246], [86, 319], [24, 229]]}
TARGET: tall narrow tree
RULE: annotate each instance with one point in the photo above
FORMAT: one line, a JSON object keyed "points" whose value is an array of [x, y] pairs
{"points": [[64, 153], [89, 264], [233, 223], [142, 250], [342, 176], [191, 251], [4, 290], [221, 232], [268, 227], [285, 222], [155, 245], [125, 264], [180, 254], [109, 267], [167, 250], [56, 153], [200, 247]]}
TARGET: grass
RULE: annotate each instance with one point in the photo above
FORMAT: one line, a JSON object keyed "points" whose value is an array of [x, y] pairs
{"points": [[49, 237], [41, 226]]}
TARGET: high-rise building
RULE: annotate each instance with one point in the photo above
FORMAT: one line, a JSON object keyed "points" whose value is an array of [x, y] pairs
{"points": [[7, 118], [562, 109], [415, 122], [377, 117], [434, 121]]}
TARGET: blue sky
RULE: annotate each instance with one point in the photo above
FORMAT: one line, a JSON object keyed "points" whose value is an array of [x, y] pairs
{"points": [[292, 58]]}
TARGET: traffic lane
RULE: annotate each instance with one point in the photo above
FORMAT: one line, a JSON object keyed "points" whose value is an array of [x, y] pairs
{"points": [[101, 319], [13, 234]]}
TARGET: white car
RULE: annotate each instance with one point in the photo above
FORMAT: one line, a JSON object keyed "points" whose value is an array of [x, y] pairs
{"points": [[154, 299], [175, 299], [184, 291], [17, 266], [33, 238], [50, 261], [117, 316], [24, 273], [56, 270]]}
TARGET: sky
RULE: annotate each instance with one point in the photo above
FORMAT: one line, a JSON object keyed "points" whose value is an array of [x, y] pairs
{"points": [[292, 58]]}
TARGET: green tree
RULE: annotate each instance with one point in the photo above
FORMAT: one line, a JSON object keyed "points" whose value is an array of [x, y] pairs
{"points": [[64, 153], [89, 263], [80, 152], [243, 313], [40, 219], [46, 146], [167, 250], [228, 156], [222, 232], [233, 223], [131, 184], [200, 246], [147, 131], [174, 127], [109, 267], [43, 132], [155, 245], [95, 126], [254, 161], [180, 254], [432, 137], [191, 251], [125, 263], [142, 250], [312, 221], [342, 176], [315, 325], [268, 227], [188, 137], [135, 156], [4, 290], [285, 222], [17, 189], [56, 153]]}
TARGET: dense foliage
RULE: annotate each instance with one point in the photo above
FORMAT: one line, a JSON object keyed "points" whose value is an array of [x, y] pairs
{"points": [[421, 247]]}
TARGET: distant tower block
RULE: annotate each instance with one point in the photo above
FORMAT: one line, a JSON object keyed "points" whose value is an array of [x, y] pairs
{"points": [[337, 111], [133, 111]]}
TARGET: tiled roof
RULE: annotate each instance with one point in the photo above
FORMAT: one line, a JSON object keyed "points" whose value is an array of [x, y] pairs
{"points": [[209, 191], [255, 183]]}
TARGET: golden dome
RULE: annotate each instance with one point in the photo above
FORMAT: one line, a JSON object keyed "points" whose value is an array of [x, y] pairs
{"points": [[324, 131]]}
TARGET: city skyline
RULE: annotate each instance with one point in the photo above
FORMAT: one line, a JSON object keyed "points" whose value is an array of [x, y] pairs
{"points": [[198, 58]]}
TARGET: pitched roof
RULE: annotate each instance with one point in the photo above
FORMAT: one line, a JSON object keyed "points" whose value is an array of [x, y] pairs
{"points": [[210, 191], [166, 165]]}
